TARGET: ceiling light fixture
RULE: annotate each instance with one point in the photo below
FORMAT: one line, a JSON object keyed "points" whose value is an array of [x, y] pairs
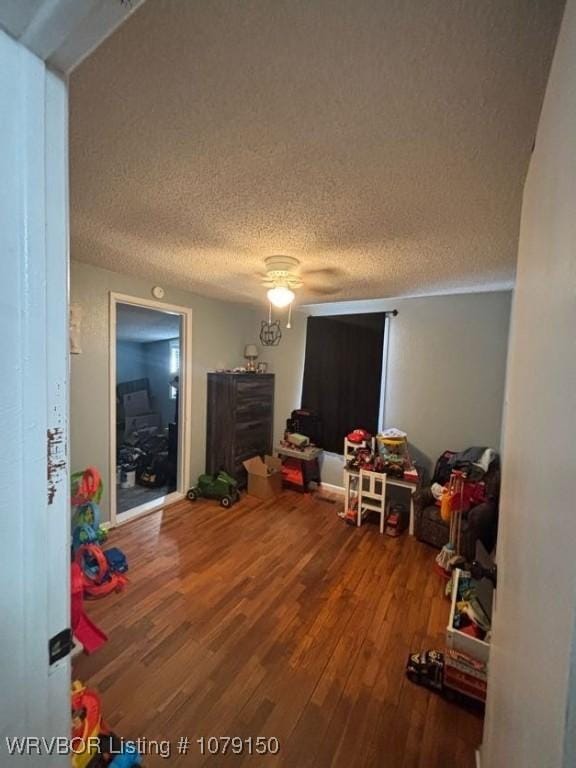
{"points": [[281, 296], [282, 277]]}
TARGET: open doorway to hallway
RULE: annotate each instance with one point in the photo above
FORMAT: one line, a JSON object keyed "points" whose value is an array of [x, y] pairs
{"points": [[147, 389]]}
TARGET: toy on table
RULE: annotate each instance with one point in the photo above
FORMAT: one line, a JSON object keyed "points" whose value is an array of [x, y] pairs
{"points": [[393, 451], [387, 453], [298, 440], [219, 486], [359, 436], [393, 445], [361, 458]]}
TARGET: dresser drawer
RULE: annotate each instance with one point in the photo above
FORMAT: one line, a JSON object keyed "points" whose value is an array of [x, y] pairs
{"points": [[254, 386], [255, 424], [255, 440], [250, 409]]}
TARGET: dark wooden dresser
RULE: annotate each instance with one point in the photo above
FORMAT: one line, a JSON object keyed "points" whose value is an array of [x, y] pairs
{"points": [[239, 420]]}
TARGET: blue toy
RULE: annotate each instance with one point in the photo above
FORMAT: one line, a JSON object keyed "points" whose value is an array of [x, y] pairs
{"points": [[128, 758], [116, 560]]}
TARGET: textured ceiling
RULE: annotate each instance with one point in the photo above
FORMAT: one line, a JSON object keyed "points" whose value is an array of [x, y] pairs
{"points": [[384, 144]]}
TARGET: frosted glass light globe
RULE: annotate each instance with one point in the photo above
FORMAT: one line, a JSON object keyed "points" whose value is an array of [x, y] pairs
{"points": [[280, 296]]}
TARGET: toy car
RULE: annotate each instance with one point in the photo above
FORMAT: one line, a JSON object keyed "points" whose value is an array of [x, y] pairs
{"points": [[427, 669], [218, 486]]}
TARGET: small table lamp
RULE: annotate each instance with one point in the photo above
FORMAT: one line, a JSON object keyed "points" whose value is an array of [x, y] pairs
{"points": [[251, 354]]}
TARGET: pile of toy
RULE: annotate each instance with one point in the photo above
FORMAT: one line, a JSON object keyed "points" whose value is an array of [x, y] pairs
{"points": [[470, 616], [386, 452], [94, 744], [95, 572]]}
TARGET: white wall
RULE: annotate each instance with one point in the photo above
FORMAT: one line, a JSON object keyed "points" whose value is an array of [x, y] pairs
{"points": [[530, 702], [219, 332], [445, 374]]}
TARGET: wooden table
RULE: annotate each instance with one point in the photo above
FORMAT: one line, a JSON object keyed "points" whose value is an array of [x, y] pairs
{"points": [[398, 482]]}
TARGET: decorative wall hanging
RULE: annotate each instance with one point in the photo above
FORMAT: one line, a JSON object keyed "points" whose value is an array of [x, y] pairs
{"points": [[270, 333]]}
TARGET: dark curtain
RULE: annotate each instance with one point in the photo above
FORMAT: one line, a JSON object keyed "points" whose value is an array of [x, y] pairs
{"points": [[343, 374]]}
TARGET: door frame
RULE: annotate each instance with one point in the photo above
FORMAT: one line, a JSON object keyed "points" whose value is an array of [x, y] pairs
{"points": [[40, 44], [184, 407]]}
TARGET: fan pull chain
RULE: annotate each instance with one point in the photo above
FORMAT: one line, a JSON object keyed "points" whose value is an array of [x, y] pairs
{"points": [[289, 323]]}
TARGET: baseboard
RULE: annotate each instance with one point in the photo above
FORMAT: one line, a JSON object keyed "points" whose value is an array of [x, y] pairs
{"points": [[332, 488]]}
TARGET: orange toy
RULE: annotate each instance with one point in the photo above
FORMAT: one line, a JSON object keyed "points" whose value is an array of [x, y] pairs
{"points": [[86, 486], [446, 504], [451, 507], [87, 724]]}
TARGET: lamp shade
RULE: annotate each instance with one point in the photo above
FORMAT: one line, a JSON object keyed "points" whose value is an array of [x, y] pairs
{"points": [[250, 350], [280, 296]]}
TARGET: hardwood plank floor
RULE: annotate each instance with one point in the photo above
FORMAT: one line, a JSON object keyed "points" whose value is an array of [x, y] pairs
{"points": [[276, 619]]}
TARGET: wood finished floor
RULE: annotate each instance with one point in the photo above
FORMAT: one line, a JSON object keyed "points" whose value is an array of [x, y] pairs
{"points": [[276, 619]]}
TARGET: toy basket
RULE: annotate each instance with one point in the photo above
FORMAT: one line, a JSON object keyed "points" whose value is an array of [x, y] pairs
{"points": [[393, 447]]}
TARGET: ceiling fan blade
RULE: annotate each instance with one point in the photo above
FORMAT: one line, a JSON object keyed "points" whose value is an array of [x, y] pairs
{"points": [[330, 273], [323, 290]]}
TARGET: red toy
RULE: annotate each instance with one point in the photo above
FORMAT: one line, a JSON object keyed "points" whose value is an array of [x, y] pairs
{"points": [[86, 486], [359, 436], [91, 637], [98, 580]]}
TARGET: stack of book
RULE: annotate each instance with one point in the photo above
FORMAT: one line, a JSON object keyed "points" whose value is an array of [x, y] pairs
{"points": [[465, 674]]}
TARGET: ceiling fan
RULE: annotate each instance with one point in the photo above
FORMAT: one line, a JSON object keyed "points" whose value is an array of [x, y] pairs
{"points": [[283, 276]]}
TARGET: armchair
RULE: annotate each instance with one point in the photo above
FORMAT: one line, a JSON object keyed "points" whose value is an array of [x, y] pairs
{"points": [[480, 523]]}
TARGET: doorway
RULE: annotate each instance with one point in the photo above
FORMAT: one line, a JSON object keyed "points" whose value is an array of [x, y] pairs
{"points": [[150, 401]]}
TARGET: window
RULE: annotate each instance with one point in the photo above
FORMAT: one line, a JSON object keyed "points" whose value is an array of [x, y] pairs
{"points": [[343, 374], [174, 366]]}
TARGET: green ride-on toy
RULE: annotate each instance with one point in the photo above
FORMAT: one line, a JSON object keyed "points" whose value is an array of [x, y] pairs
{"points": [[219, 486]]}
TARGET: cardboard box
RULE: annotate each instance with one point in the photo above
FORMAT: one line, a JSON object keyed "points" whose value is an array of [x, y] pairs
{"points": [[136, 403], [264, 476]]}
